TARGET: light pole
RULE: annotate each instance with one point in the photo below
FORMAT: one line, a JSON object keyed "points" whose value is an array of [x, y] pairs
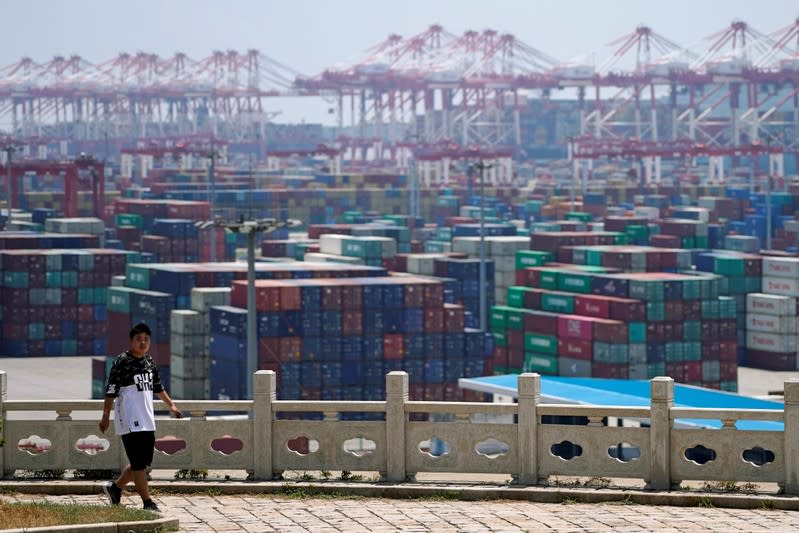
{"points": [[250, 228], [482, 166], [212, 155], [9, 149]]}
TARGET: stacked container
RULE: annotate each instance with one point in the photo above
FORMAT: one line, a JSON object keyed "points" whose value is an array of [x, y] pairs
{"points": [[54, 301], [335, 339], [771, 316], [634, 325], [502, 251]]}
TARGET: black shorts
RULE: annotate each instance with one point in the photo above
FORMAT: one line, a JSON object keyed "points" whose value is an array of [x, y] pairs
{"points": [[139, 446]]}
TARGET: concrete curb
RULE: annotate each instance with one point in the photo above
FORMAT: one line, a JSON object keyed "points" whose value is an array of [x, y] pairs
{"points": [[142, 526], [455, 491]]}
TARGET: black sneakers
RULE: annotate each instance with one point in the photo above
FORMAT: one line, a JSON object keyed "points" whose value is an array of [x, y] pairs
{"points": [[150, 505], [113, 492]]}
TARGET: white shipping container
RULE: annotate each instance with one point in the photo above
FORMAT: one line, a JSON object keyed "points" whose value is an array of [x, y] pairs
{"points": [[318, 257], [771, 323], [468, 246], [189, 365], [770, 304], [507, 245], [204, 298], [184, 388], [647, 212], [423, 264], [783, 286], [331, 243], [187, 322], [783, 267], [190, 345], [770, 342]]}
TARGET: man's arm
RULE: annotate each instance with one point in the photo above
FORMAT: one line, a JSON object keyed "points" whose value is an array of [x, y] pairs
{"points": [[107, 406], [173, 409]]}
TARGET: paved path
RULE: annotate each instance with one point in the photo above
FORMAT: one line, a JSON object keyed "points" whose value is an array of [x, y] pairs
{"points": [[254, 513]]}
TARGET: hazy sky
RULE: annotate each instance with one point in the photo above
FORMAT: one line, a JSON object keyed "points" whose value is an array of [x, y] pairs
{"points": [[310, 35]]}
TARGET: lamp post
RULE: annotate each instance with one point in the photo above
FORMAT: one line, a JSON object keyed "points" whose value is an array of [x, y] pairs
{"points": [[482, 166], [250, 228], [212, 155], [9, 149]]}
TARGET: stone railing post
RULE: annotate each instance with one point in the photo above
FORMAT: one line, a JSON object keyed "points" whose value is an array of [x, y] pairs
{"points": [[3, 398], [264, 393], [396, 397], [791, 436], [662, 400], [529, 397]]}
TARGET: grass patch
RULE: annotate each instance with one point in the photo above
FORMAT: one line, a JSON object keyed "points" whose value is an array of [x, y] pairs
{"points": [[767, 505], [706, 501], [27, 515]]}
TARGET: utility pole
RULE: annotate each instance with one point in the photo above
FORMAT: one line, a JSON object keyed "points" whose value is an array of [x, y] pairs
{"points": [[482, 166]]}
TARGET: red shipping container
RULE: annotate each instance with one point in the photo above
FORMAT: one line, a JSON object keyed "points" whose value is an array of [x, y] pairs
{"points": [[673, 330], [770, 360], [268, 350], [675, 371], [499, 357], [728, 330], [515, 339], [290, 349], [575, 349], [692, 371], [454, 319], [672, 310], [413, 295], [352, 323], [590, 305], [515, 357], [393, 346], [541, 322], [351, 296], [532, 299], [691, 310], [627, 310], [290, 298], [433, 295], [36, 280], [416, 393], [728, 371], [612, 331], [576, 327], [15, 332], [728, 352], [610, 370], [267, 295], [434, 320]]}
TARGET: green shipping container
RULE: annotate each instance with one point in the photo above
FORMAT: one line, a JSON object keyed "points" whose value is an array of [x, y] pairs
{"points": [[129, 219], [548, 279], [541, 363], [574, 282], [499, 338], [516, 296], [497, 320], [531, 258], [137, 276], [52, 279], [557, 303], [536, 342]]}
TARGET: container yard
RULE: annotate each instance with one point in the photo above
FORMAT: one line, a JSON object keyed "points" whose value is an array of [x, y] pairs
{"points": [[487, 235]]}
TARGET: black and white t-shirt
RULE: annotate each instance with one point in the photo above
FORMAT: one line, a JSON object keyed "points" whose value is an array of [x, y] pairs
{"points": [[132, 381]]}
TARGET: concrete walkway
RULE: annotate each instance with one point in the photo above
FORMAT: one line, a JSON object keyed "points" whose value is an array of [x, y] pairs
{"points": [[432, 508]]}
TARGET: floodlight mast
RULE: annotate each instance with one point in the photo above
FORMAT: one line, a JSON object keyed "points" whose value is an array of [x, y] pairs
{"points": [[251, 228]]}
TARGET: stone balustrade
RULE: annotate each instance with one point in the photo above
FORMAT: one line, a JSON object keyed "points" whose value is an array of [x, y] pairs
{"points": [[399, 438]]}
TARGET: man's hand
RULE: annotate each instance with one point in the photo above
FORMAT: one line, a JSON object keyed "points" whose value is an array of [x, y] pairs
{"points": [[174, 412], [104, 423]]}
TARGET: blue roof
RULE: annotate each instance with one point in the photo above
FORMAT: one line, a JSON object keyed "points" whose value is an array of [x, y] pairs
{"points": [[629, 393]]}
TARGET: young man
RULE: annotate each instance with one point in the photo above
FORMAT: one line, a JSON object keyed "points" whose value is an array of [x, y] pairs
{"points": [[132, 381]]}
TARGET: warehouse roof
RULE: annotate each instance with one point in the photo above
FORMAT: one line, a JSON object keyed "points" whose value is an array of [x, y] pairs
{"points": [[628, 393]]}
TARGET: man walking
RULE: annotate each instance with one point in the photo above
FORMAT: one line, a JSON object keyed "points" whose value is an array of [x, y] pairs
{"points": [[132, 381]]}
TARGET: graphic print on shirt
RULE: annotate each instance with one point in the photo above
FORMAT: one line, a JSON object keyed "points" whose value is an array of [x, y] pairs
{"points": [[132, 381]]}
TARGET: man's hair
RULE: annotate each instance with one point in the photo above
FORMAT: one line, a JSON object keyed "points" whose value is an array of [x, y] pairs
{"points": [[141, 327]]}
